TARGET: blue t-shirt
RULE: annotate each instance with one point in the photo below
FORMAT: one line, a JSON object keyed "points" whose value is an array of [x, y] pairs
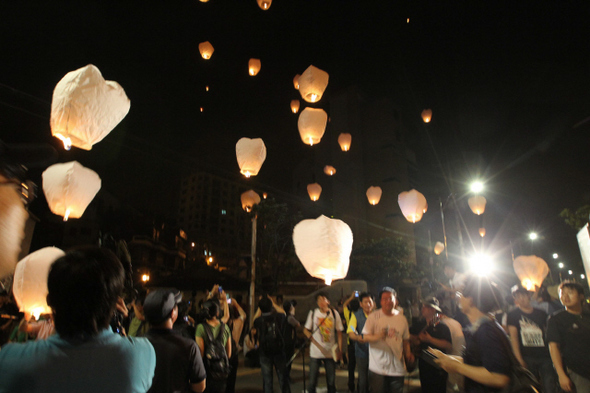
{"points": [[105, 363]]}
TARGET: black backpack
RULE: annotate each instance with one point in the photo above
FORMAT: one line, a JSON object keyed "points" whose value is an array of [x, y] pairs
{"points": [[271, 335], [215, 359]]}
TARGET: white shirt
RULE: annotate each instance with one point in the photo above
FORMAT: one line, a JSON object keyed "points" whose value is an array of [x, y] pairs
{"points": [[456, 335], [326, 334], [386, 357]]}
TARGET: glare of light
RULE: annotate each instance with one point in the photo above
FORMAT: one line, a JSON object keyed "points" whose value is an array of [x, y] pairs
{"points": [[67, 215], [192, 244], [555, 256], [328, 279], [477, 187], [480, 264], [310, 140], [206, 88], [561, 265], [313, 97], [145, 277], [201, 109], [570, 272], [582, 276], [264, 195], [36, 312], [528, 284], [408, 20], [247, 174], [210, 260], [67, 141], [533, 236]]}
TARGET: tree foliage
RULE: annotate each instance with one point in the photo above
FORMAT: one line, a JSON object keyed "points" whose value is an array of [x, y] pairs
{"points": [[576, 219]]}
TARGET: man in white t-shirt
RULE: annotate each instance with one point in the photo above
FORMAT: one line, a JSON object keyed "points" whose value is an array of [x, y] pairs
{"points": [[388, 335], [323, 326]]}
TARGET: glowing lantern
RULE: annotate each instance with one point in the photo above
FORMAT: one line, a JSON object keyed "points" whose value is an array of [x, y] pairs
{"points": [[323, 246], [312, 84], [482, 232], [206, 50], [439, 248], [264, 195], [531, 271], [69, 188], [329, 170], [374, 195], [13, 217], [314, 190], [251, 154], [296, 81], [30, 280], [412, 204], [254, 66], [477, 204], [85, 108], [427, 115], [344, 141], [249, 199], [295, 104], [264, 4], [425, 208], [312, 125]]}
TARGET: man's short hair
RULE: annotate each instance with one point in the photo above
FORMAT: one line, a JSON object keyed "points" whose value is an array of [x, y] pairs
{"points": [[572, 285], [363, 295], [84, 286], [265, 305], [387, 290], [320, 294], [486, 296]]}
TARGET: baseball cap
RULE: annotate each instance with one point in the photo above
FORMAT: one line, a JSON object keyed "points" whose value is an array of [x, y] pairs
{"points": [[518, 289], [432, 302], [159, 304]]}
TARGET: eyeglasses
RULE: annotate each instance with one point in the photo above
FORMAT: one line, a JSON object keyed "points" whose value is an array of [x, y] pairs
{"points": [[27, 189]]}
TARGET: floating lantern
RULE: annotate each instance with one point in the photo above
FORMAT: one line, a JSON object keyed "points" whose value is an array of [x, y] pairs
{"points": [[295, 104], [206, 50], [69, 188], [206, 88], [254, 67], [323, 246], [13, 217], [329, 170], [531, 271], [312, 84], [312, 125], [427, 115], [482, 232], [249, 199], [85, 108], [30, 280], [412, 204], [477, 204], [439, 247], [264, 4], [344, 141], [374, 195], [296, 81], [314, 190], [425, 208], [264, 195], [251, 154]]}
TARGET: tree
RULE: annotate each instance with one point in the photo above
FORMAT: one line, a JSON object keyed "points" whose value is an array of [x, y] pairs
{"points": [[576, 219]]}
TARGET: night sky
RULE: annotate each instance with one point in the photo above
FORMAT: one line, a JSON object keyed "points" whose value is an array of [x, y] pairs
{"points": [[508, 83]]}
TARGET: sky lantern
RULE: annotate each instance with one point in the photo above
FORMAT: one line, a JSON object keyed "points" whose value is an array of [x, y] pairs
{"points": [[254, 67], [314, 190], [344, 141], [531, 271], [69, 188], [329, 170], [251, 154], [206, 50], [427, 115], [412, 204], [30, 280], [264, 4], [85, 108], [312, 125], [249, 199], [312, 84], [374, 195], [477, 204], [482, 232], [439, 247], [295, 104], [296, 81], [323, 246]]}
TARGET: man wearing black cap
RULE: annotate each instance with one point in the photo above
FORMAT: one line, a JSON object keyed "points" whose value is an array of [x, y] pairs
{"points": [[179, 365]]}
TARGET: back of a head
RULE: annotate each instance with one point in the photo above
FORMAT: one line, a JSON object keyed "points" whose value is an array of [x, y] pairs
{"points": [[210, 309], [265, 305], [84, 286], [486, 296], [287, 306]]}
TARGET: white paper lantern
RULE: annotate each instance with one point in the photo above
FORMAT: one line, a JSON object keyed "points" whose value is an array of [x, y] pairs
{"points": [[323, 246], [30, 280], [295, 104], [85, 108], [314, 190], [412, 204], [313, 83], [531, 270], [482, 232], [374, 195], [477, 204], [13, 217], [249, 199], [206, 50], [427, 115], [438, 248], [344, 141], [264, 4], [251, 154], [329, 170], [296, 81], [254, 67], [312, 125]]}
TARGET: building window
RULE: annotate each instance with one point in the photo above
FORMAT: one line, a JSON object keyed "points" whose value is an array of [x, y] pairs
{"points": [[223, 212]]}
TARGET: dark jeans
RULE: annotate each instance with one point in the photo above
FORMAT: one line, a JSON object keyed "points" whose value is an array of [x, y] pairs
{"points": [[215, 386], [266, 365], [314, 370], [230, 385], [362, 366], [385, 384], [351, 365], [543, 369], [432, 379]]}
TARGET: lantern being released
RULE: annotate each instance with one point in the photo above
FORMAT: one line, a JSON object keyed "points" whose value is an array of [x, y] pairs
{"points": [[329, 170], [295, 104], [264, 4], [374, 195], [251, 154], [296, 81], [249, 199], [344, 141], [312, 125], [438, 248], [427, 115], [206, 50], [531, 271], [482, 232], [30, 280], [477, 204], [312, 84], [254, 66], [412, 204], [323, 246], [69, 188], [85, 108], [314, 190]]}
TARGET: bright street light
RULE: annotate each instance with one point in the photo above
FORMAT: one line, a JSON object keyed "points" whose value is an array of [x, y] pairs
{"points": [[533, 236], [570, 272], [561, 265], [582, 276], [555, 256], [477, 187], [480, 264]]}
